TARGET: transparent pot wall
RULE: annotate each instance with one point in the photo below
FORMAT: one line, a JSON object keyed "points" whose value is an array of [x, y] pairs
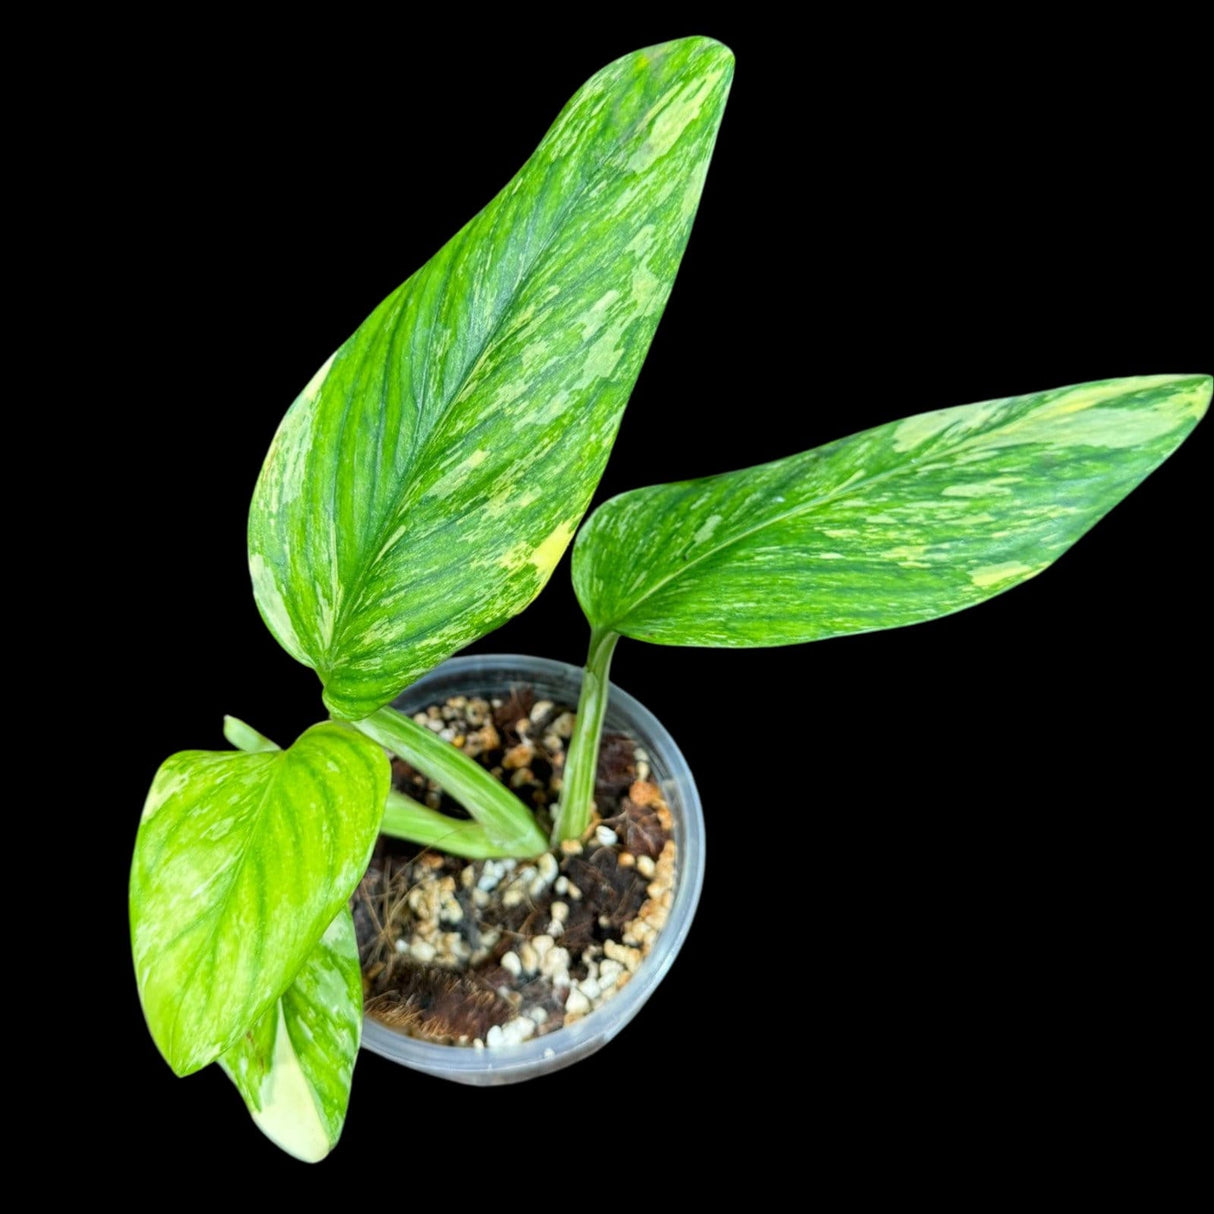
{"points": [[493, 675]]}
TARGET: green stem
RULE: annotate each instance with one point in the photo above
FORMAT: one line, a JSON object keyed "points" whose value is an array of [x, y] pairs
{"points": [[582, 757], [507, 822], [405, 818]]}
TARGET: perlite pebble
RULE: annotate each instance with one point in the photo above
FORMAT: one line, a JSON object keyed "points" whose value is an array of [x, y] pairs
{"points": [[630, 958], [423, 951], [606, 836], [511, 962], [554, 960], [609, 972], [516, 1031], [455, 945], [576, 1005]]}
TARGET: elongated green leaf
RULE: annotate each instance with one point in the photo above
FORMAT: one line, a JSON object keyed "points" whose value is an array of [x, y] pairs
{"points": [[245, 737], [294, 1066], [405, 818], [241, 862], [425, 483], [896, 525], [507, 822]]}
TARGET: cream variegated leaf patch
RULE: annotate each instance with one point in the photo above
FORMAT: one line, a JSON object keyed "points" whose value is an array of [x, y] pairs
{"points": [[899, 524], [424, 485], [293, 1067], [241, 862]]}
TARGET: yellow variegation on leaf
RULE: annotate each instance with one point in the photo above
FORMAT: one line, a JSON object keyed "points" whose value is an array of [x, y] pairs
{"points": [[422, 488], [293, 1067], [241, 862], [902, 523]]}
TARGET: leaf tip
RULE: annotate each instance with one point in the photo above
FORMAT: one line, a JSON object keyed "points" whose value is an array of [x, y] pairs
{"points": [[1193, 393], [718, 54], [1205, 391], [182, 1056]]}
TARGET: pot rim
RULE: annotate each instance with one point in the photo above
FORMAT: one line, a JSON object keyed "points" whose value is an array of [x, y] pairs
{"points": [[563, 1046]]}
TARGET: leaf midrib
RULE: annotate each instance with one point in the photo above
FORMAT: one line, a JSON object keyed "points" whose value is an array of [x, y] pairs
{"points": [[737, 539], [404, 481]]}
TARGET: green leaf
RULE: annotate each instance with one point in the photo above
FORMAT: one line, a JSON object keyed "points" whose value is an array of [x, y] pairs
{"points": [[241, 862], [294, 1066], [423, 486], [899, 524], [245, 737]]}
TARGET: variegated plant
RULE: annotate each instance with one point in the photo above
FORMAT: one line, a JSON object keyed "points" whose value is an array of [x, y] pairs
{"points": [[903, 523], [418, 493], [422, 488]]}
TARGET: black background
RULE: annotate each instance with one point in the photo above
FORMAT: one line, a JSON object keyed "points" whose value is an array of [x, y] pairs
{"points": [[973, 840]]}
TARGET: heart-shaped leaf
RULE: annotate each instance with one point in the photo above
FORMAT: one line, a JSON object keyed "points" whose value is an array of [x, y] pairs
{"points": [[241, 863], [423, 486], [898, 524], [294, 1066]]}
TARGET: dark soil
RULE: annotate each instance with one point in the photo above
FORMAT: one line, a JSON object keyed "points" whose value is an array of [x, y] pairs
{"points": [[489, 952]]}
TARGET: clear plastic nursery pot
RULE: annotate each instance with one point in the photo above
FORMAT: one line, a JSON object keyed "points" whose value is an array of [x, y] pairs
{"points": [[495, 674]]}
